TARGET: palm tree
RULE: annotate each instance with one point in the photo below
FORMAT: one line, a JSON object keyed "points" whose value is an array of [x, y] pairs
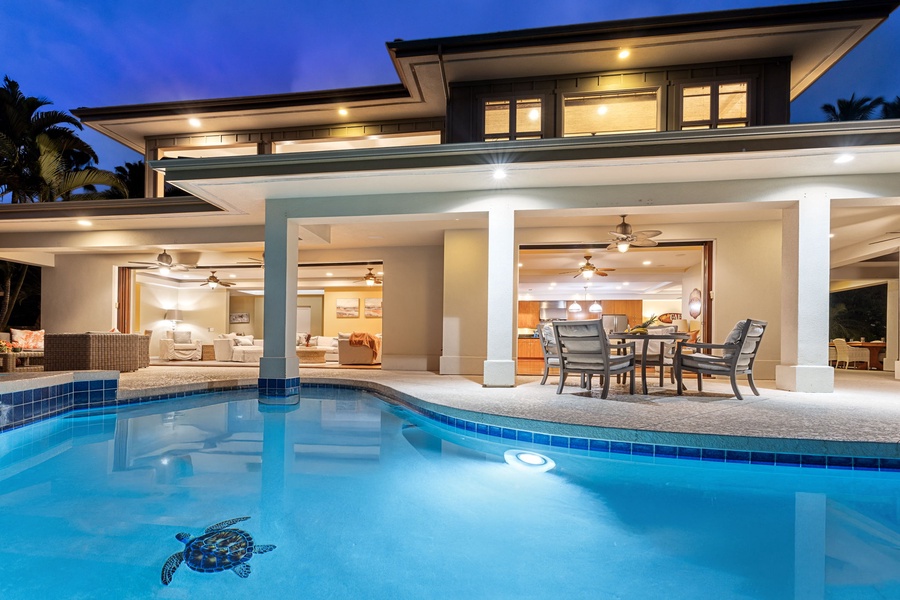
{"points": [[132, 176], [27, 134], [852, 109], [890, 109]]}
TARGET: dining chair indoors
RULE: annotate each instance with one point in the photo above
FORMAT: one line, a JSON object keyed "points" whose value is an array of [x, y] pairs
{"points": [[583, 348]]}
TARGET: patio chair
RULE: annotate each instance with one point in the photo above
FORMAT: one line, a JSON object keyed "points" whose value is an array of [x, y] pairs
{"points": [[583, 348], [848, 354], [738, 354], [548, 348]]}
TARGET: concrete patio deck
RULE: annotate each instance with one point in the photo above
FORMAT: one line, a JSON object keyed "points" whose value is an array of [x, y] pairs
{"points": [[865, 406]]}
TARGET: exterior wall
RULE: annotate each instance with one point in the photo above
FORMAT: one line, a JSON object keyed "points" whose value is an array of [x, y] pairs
{"points": [[78, 294], [770, 93], [465, 302]]}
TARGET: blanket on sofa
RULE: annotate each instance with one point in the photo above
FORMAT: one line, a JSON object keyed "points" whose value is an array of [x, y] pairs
{"points": [[365, 339]]}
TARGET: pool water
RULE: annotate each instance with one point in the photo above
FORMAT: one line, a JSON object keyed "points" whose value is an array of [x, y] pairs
{"points": [[365, 500]]}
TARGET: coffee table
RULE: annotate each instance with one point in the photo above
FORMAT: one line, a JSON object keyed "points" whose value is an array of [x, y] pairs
{"points": [[15, 362], [309, 355]]}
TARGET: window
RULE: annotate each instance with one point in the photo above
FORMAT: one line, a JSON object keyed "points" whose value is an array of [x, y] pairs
{"points": [[714, 106], [611, 112], [519, 119]]}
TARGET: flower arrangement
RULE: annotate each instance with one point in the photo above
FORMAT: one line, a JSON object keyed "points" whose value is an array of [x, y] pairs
{"points": [[642, 328], [16, 346], [5, 346]]}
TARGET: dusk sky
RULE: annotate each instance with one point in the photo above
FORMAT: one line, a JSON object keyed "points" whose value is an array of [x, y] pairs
{"points": [[109, 52]]}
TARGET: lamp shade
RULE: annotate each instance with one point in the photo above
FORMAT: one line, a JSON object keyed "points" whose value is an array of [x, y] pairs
{"points": [[173, 315]]}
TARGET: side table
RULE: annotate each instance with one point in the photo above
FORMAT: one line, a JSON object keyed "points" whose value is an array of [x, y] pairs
{"points": [[207, 352], [311, 355]]}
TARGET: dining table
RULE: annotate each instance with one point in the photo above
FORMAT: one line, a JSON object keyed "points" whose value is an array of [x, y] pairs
{"points": [[875, 349], [661, 337]]}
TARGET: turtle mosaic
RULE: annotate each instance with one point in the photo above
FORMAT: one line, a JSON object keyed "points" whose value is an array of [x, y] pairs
{"points": [[218, 549]]}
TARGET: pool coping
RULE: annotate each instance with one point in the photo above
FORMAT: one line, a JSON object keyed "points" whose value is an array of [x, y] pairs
{"points": [[70, 391]]}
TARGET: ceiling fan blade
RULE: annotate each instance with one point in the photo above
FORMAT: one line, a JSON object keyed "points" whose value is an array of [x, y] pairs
{"points": [[887, 240], [140, 262], [645, 243], [602, 270], [648, 233]]}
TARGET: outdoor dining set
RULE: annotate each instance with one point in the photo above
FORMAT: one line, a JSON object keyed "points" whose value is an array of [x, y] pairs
{"points": [[585, 349]]}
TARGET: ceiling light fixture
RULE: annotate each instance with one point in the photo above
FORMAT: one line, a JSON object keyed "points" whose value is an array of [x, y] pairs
{"points": [[595, 308], [84, 223], [624, 53], [343, 112], [499, 174], [648, 262], [194, 122], [624, 237], [844, 158]]}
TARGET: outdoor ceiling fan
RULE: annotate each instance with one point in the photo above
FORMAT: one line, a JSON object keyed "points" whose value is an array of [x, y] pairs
{"points": [[213, 282], [624, 237], [165, 263], [370, 278], [588, 270], [896, 235]]}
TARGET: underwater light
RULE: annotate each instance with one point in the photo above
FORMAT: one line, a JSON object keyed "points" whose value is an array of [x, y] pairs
{"points": [[528, 461]]}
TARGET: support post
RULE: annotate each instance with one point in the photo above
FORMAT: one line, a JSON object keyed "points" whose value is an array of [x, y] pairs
{"points": [[500, 366]]}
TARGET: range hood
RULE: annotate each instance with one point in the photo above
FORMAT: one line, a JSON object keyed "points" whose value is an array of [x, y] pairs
{"points": [[553, 310]]}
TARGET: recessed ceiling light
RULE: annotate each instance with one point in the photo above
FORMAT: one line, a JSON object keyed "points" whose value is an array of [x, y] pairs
{"points": [[521, 265], [329, 274], [552, 283], [831, 235], [647, 262], [343, 112], [602, 110], [624, 53], [625, 283], [499, 174], [380, 273], [84, 223], [843, 158], [194, 122], [233, 276]]}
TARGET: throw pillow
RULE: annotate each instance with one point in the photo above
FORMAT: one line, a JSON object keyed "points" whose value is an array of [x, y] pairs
{"points": [[114, 330], [31, 340], [243, 340], [182, 337]]}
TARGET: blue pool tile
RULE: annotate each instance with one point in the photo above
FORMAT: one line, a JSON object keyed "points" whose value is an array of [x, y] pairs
{"points": [[620, 447], [712, 454], [481, 428], [665, 451], [840, 462], [865, 464], [542, 438], [762, 458], [494, 431], [890, 464], [788, 460], [559, 441], [509, 434], [95, 384], [737, 456], [642, 449], [813, 461], [81, 386], [461, 424], [599, 446], [578, 443], [689, 453], [525, 436]]}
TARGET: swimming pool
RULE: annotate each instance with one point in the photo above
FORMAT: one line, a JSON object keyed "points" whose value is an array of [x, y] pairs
{"points": [[363, 499]]}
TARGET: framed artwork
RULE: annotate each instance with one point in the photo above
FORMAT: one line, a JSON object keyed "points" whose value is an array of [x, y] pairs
{"points": [[239, 318], [373, 308], [347, 308]]}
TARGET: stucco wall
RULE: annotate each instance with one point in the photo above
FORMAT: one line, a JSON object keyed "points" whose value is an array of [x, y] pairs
{"points": [[465, 302], [79, 294]]}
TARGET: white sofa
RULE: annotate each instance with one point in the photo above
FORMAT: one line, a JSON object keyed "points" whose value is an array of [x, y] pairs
{"points": [[357, 355], [177, 345], [330, 344], [230, 347]]}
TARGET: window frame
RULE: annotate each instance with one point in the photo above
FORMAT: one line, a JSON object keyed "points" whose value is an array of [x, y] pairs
{"points": [[714, 122], [656, 89], [512, 99]]}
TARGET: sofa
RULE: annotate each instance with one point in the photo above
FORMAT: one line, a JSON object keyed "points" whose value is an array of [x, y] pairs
{"points": [[328, 343], [177, 345], [349, 354], [96, 351], [230, 347]]}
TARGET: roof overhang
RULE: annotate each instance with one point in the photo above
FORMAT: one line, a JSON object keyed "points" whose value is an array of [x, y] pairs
{"points": [[814, 36]]}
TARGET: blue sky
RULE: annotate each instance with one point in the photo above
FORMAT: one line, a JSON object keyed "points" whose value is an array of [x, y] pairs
{"points": [[108, 52]]}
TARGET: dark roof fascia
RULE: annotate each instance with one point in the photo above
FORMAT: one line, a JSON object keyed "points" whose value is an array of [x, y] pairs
{"points": [[777, 16], [671, 143], [105, 208], [243, 103]]}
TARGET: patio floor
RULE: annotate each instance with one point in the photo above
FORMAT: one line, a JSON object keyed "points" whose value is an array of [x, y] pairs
{"points": [[865, 406]]}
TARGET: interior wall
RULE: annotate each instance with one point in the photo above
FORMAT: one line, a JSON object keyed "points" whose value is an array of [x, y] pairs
{"points": [[464, 327], [315, 305], [658, 307], [332, 324], [205, 313], [242, 304]]}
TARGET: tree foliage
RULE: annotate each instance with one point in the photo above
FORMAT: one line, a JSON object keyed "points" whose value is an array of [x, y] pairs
{"points": [[852, 109], [42, 159], [890, 109]]}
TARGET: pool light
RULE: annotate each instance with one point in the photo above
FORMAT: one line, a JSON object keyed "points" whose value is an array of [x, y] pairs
{"points": [[526, 460]]}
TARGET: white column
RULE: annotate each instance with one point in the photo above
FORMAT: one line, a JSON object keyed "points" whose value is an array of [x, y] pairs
{"points": [[279, 359], [500, 366], [805, 276]]}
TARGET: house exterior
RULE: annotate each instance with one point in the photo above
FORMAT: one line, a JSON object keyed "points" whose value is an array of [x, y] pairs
{"points": [[493, 145]]}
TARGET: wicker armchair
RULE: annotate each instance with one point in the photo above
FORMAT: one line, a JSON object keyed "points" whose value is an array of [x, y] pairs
{"points": [[96, 351]]}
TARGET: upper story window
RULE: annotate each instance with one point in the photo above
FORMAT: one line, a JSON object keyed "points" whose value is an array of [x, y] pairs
{"points": [[714, 106], [513, 119], [611, 112]]}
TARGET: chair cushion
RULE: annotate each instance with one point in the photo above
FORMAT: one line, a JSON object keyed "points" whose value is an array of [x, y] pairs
{"points": [[181, 337]]}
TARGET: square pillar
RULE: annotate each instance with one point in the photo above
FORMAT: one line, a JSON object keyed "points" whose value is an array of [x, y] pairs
{"points": [[500, 366], [279, 368], [805, 277]]}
